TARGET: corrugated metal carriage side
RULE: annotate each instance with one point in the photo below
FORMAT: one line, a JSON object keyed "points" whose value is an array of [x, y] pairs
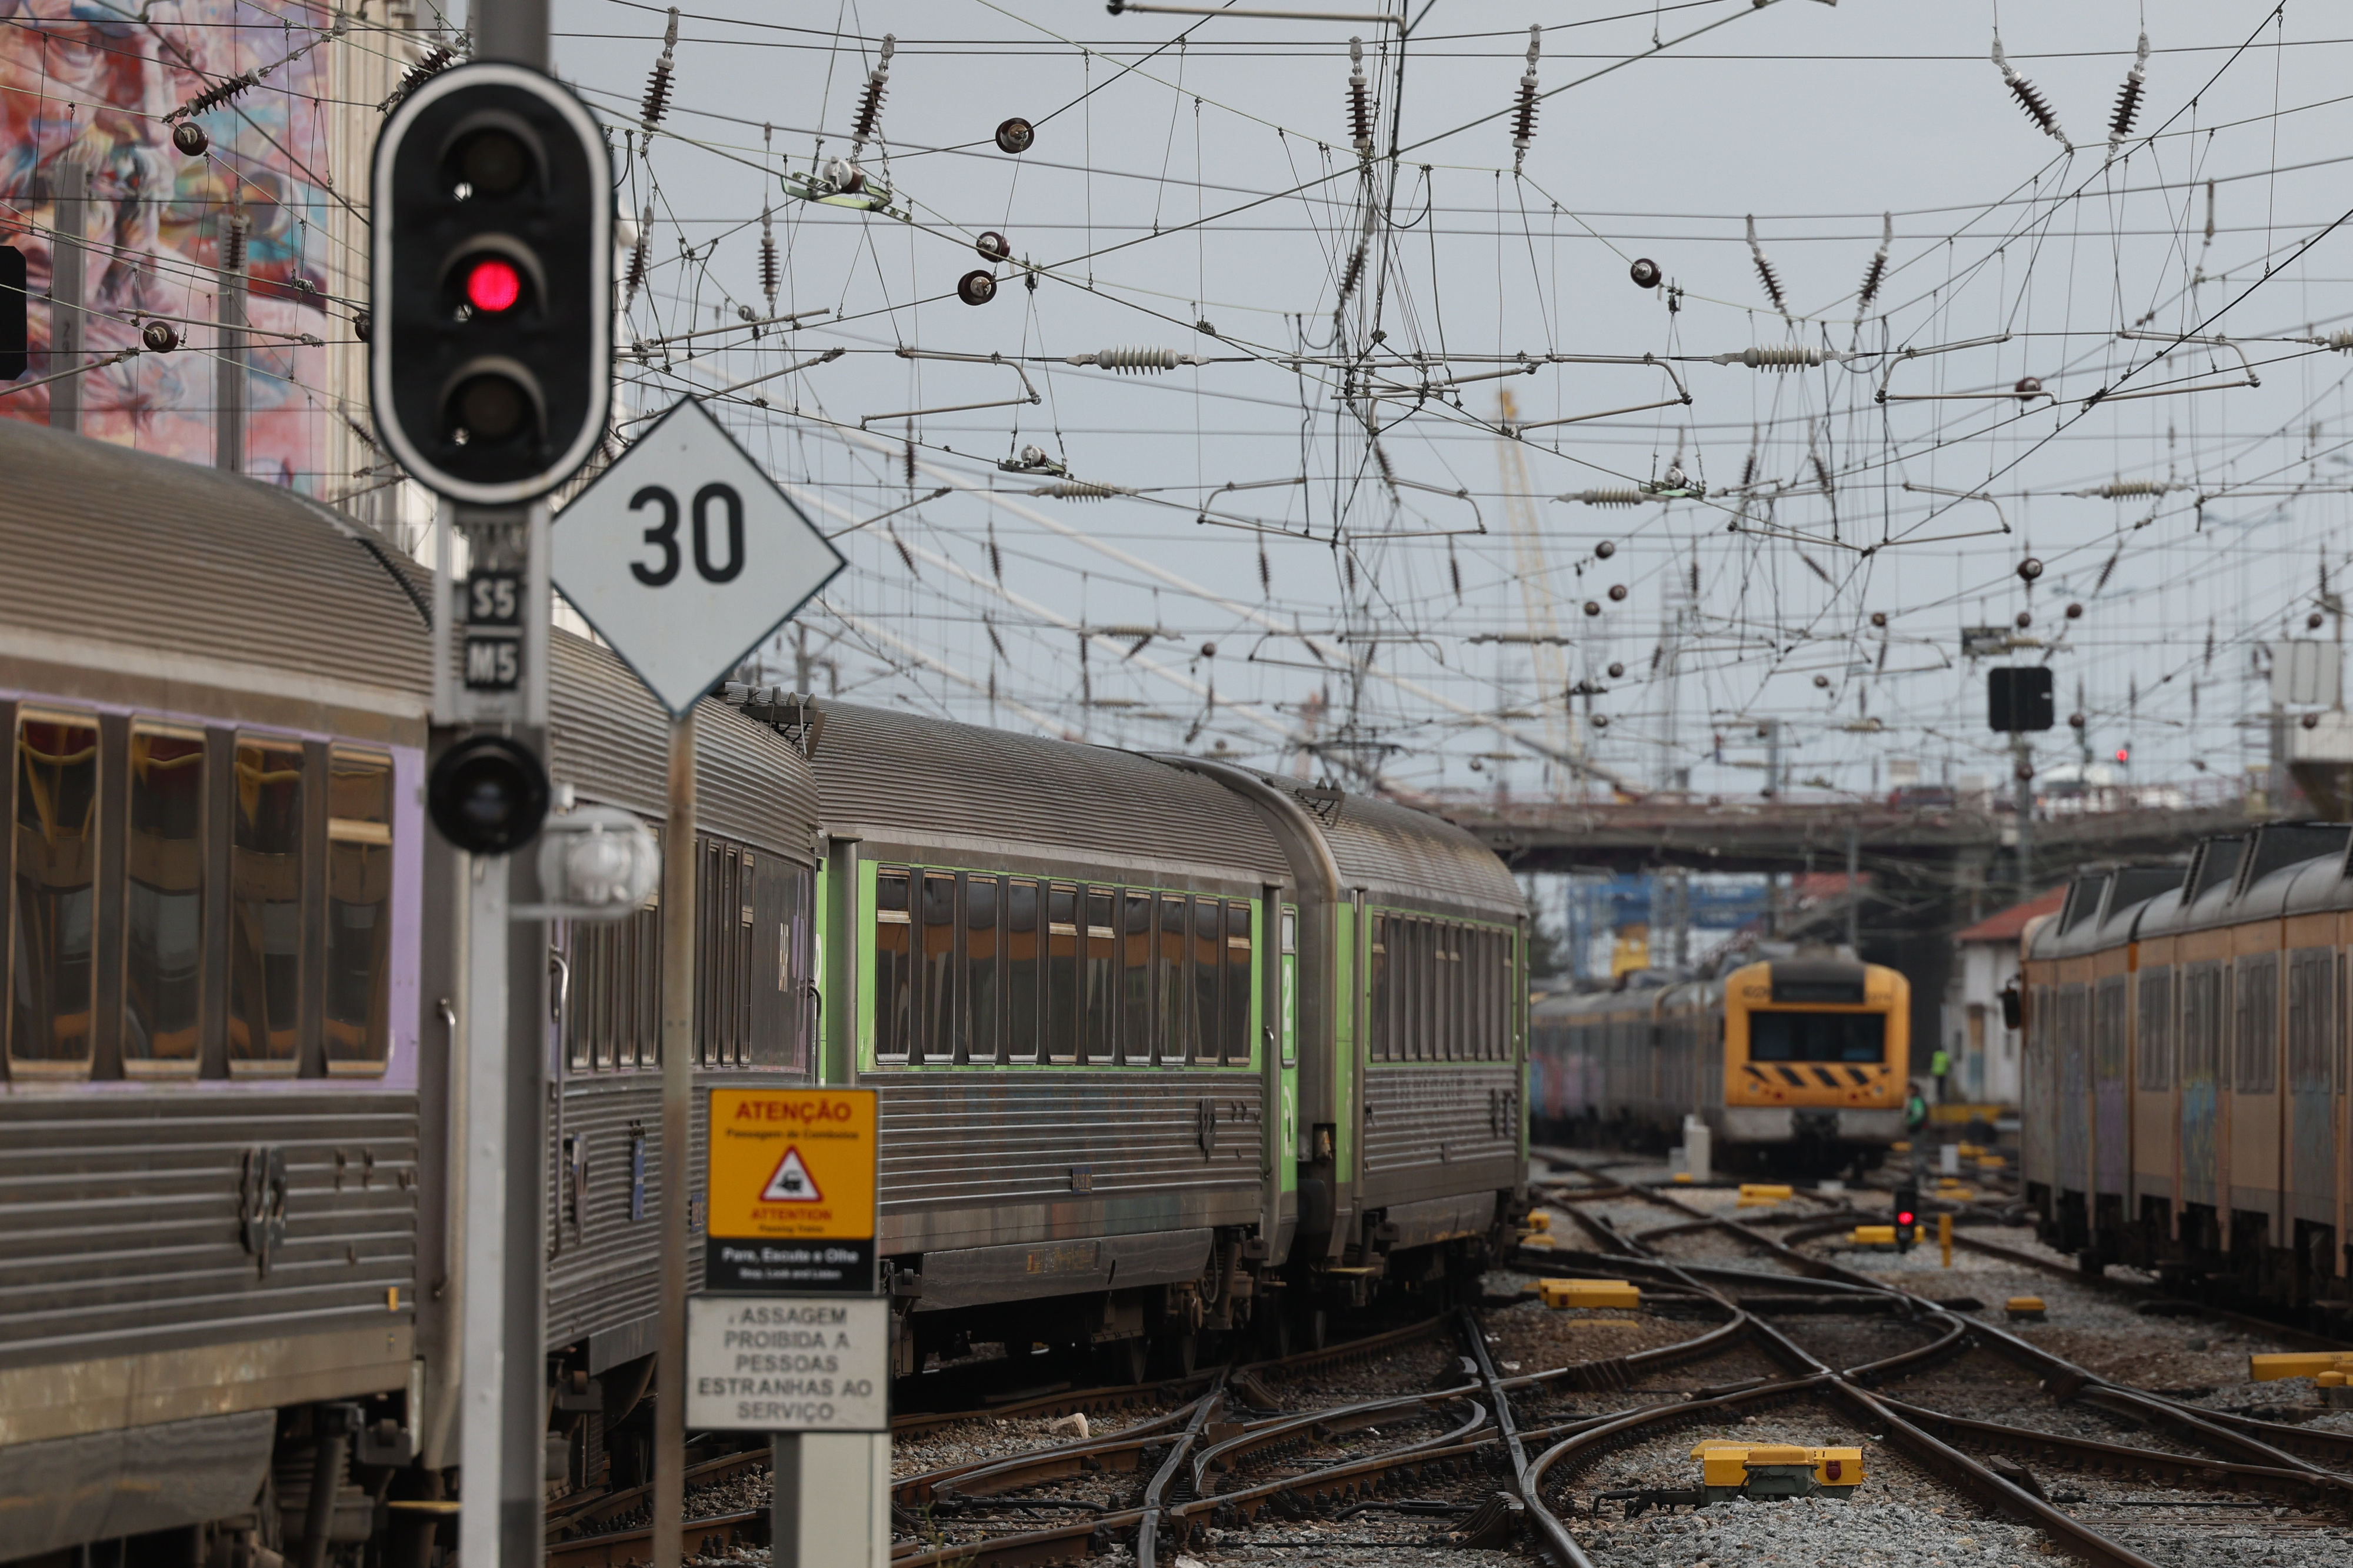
{"points": [[1052, 960], [1442, 931], [210, 1130], [756, 828]]}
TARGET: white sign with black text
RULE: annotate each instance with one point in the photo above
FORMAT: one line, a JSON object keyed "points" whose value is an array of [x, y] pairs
{"points": [[788, 1363], [684, 555]]}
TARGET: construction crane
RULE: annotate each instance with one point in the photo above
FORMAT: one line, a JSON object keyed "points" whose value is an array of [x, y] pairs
{"points": [[1545, 646]]}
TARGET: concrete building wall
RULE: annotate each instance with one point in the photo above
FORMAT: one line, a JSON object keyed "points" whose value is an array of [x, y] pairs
{"points": [[1985, 1055]]}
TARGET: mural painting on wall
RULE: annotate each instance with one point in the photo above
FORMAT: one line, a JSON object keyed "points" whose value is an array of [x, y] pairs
{"points": [[89, 81]]}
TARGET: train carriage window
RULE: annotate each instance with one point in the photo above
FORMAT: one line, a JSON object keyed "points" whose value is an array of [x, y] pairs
{"points": [[2309, 1020], [1432, 938], [1023, 973], [644, 988], [1138, 1005], [164, 900], [1405, 960], [894, 966], [1434, 969], [1286, 1025], [1379, 1030], [2156, 1025], [777, 1003], [1060, 1038], [2257, 1024], [2201, 1020], [1209, 971], [52, 990], [1173, 979], [1442, 973], [1793, 1037], [265, 874], [1471, 943], [709, 960], [1488, 945], [2108, 1031], [2341, 1026], [1100, 979], [1405, 986], [1234, 1034], [588, 948], [1458, 983], [359, 912], [936, 1039], [983, 970]]}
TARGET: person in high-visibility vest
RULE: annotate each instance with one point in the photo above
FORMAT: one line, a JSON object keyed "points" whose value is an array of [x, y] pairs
{"points": [[1915, 1110], [1939, 1064]]}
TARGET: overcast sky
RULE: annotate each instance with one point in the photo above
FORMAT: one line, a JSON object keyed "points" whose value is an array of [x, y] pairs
{"points": [[1193, 187]]}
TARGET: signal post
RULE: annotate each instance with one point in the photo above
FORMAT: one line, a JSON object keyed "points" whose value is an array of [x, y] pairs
{"points": [[489, 374]]}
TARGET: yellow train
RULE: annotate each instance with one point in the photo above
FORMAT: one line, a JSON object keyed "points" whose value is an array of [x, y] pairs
{"points": [[1796, 1063], [2186, 1065]]}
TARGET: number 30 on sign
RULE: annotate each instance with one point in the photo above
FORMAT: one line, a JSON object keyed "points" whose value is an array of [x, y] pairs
{"points": [[685, 556]]}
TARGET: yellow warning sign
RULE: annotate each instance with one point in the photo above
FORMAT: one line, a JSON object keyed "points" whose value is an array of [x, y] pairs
{"points": [[792, 1165]]}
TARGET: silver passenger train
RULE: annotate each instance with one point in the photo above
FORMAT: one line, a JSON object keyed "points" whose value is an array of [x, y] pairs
{"points": [[1169, 1050]]}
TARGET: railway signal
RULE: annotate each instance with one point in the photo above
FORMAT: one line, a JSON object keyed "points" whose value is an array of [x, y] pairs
{"points": [[488, 794], [2017, 698], [15, 331], [1907, 1213], [491, 353]]}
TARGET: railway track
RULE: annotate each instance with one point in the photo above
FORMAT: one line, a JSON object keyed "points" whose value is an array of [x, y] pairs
{"points": [[1442, 1444], [607, 1532], [2295, 1477]]}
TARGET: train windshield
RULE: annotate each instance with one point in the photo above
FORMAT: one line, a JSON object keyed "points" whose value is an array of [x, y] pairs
{"points": [[1816, 1036]]}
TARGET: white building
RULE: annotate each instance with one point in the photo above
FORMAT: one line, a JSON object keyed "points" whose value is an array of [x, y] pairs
{"points": [[1984, 1070]]}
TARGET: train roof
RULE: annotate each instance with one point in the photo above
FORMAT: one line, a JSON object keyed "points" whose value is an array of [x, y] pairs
{"points": [[891, 777], [608, 737], [1394, 851], [2279, 868], [124, 560]]}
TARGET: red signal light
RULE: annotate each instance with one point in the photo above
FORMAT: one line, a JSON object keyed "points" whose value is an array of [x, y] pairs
{"points": [[493, 285], [1903, 1217], [2124, 753]]}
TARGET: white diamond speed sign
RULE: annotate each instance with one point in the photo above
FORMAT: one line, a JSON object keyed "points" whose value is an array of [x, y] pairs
{"points": [[685, 556]]}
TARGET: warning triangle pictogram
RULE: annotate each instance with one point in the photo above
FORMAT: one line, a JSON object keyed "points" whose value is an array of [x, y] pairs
{"points": [[792, 1183]]}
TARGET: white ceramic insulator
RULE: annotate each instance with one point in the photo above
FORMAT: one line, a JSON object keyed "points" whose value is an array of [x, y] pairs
{"points": [[1781, 356], [1137, 360]]}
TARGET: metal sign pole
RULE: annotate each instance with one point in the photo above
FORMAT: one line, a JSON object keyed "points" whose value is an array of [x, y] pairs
{"points": [[677, 1106], [503, 1426], [484, 1333]]}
